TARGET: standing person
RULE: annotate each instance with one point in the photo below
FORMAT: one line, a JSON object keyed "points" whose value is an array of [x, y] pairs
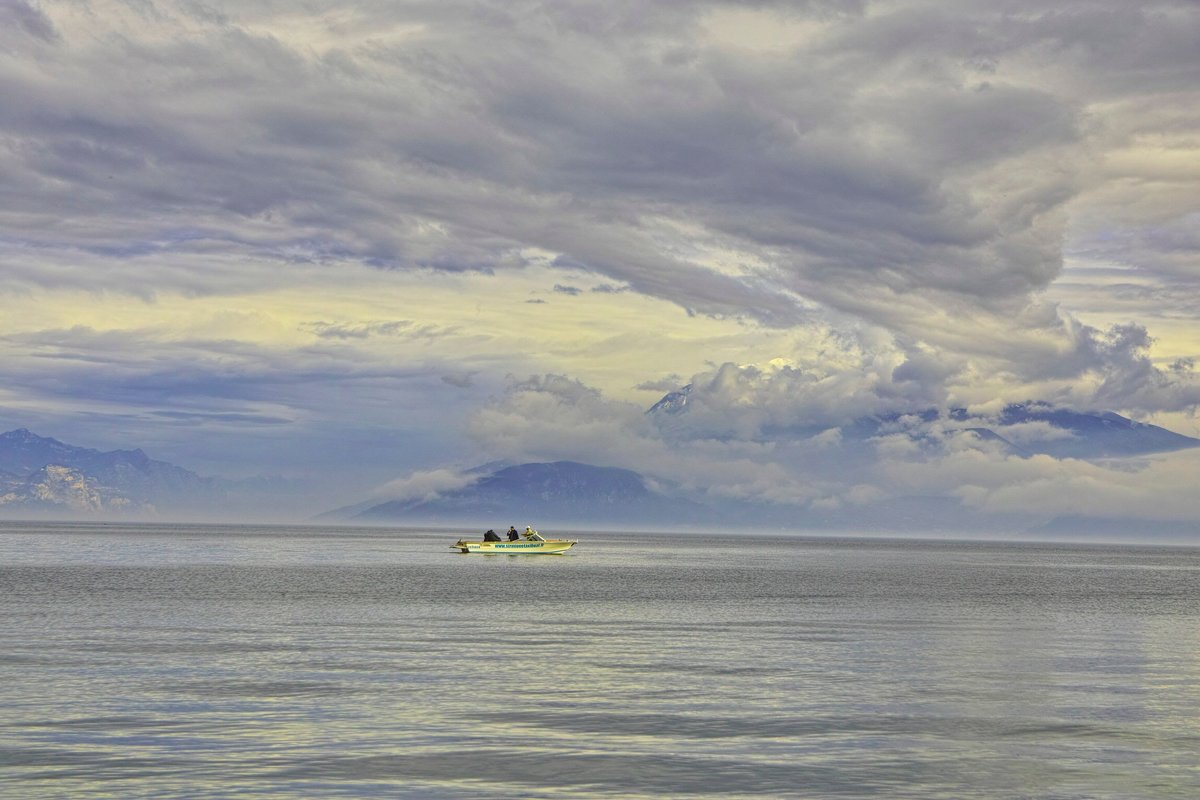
{"points": [[512, 533]]}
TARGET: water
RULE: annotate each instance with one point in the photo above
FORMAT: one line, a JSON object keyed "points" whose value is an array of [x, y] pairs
{"points": [[213, 662]]}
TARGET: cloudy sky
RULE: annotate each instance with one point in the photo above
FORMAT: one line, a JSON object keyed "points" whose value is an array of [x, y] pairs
{"points": [[367, 244]]}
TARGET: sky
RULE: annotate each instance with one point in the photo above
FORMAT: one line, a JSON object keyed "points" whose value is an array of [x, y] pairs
{"points": [[367, 245]]}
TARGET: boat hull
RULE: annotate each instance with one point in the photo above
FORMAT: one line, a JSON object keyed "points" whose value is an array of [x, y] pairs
{"points": [[517, 548]]}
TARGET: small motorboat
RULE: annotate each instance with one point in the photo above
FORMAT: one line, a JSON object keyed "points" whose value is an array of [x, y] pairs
{"points": [[529, 543]]}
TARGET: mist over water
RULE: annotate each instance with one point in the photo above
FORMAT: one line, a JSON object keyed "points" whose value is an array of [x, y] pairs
{"points": [[197, 661]]}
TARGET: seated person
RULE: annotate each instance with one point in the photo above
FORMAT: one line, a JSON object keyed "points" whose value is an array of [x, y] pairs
{"points": [[491, 536], [512, 534]]}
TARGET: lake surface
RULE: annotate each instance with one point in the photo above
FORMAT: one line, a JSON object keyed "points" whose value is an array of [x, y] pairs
{"points": [[192, 661]]}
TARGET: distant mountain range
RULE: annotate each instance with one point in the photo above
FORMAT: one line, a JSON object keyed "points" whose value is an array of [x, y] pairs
{"points": [[1022, 428], [567, 492], [43, 476]]}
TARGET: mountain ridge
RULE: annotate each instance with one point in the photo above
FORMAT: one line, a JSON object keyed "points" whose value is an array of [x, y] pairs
{"points": [[1088, 434], [43, 475], [557, 491], [1066, 434]]}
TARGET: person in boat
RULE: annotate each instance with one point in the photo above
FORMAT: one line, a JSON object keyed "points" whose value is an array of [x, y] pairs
{"points": [[491, 536], [512, 533]]}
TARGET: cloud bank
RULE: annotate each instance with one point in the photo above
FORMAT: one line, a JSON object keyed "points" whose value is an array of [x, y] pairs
{"points": [[819, 461], [882, 158]]}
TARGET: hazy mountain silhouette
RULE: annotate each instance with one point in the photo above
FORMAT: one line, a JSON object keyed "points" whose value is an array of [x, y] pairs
{"points": [[1094, 434], [1067, 433], [567, 491], [46, 476], [43, 475], [542, 493]]}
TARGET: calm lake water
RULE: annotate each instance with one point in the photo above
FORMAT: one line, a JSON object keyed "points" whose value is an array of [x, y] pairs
{"points": [[194, 661]]}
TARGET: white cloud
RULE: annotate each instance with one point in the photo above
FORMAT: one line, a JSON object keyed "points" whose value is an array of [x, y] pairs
{"points": [[1024, 433], [424, 485]]}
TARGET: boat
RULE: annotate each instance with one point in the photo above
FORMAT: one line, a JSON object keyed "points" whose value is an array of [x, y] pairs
{"points": [[529, 543]]}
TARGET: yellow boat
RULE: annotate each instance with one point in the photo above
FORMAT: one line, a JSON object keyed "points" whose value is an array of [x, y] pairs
{"points": [[530, 543]]}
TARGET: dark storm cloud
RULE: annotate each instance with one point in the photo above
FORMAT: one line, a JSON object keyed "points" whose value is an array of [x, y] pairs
{"points": [[1130, 378], [910, 164], [483, 125]]}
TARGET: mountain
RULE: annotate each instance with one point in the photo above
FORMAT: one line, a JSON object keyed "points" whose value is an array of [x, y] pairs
{"points": [[572, 492], [22, 451], [546, 493], [1027, 429], [1032, 428], [44, 476], [672, 402], [1096, 434], [55, 487]]}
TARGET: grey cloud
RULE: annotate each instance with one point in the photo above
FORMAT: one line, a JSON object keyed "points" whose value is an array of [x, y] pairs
{"points": [[608, 288], [668, 383], [1132, 381], [563, 387], [330, 410], [1158, 296], [341, 330], [138, 370], [849, 380], [1111, 369], [227, 417], [912, 167], [571, 290], [1149, 244], [925, 369], [1125, 47], [21, 16], [765, 403], [976, 477], [354, 153]]}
